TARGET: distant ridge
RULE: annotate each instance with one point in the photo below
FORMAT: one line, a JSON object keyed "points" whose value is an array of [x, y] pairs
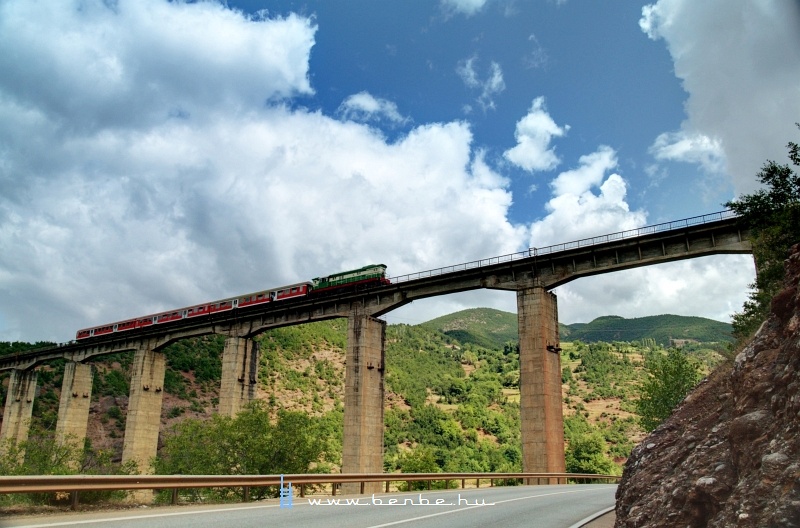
{"points": [[492, 328], [484, 327], [662, 328]]}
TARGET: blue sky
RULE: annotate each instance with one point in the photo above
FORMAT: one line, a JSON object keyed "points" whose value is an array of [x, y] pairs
{"points": [[160, 154]]}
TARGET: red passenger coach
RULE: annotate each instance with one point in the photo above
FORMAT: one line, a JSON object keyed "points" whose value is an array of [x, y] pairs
{"points": [[254, 299], [207, 309], [294, 290], [126, 325], [168, 317], [102, 330]]}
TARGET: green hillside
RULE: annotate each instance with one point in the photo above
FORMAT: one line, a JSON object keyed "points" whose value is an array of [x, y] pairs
{"points": [[662, 328], [491, 328], [452, 388], [484, 327]]}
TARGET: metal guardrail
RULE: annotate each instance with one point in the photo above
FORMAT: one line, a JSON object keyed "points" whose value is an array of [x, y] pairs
{"points": [[583, 243], [64, 483], [76, 483]]}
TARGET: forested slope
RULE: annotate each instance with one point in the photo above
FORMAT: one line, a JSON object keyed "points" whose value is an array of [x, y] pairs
{"points": [[452, 384]]}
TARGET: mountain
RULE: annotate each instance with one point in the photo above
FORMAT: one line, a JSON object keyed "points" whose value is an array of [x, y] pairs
{"points": [[452, 386], [491, 328], [484, 327], [663, 328]]}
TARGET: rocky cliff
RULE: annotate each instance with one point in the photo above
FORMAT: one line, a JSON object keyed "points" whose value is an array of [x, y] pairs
{"points": [[730, 454]]}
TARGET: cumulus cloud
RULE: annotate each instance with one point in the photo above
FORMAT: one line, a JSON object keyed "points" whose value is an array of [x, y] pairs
{"points": [[739, 62], [366, 107], [534, 133], [489, 88], [136, 63], [586, 203], [712, 287], [690, 148], [156, 163]]}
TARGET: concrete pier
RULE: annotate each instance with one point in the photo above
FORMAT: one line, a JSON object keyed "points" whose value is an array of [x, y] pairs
{"points": [[144, 408], [19, 405], [542, 422], [362, 449], [73, 408], [239, 384]]}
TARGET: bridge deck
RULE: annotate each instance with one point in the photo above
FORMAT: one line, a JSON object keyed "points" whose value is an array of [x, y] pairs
{"points": [[550, 267]]}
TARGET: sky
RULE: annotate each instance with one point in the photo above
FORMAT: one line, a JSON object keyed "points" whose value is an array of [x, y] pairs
{"points": [[156, 154]]}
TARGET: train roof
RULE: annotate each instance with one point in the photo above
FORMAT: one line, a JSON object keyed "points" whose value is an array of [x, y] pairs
{"points": [[357, 270]]}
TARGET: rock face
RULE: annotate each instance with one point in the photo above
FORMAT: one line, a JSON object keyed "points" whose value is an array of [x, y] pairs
{"points": [[730, 454]]}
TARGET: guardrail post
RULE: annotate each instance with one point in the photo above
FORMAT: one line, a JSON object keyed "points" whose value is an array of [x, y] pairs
{"points": [[246, 493], [387, 486], [302, 490], [73, 500], [463, 485], [174, 496]]}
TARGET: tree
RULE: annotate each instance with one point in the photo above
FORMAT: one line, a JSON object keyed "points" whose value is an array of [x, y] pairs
{"points": [[587, 454], [669, 380], [586, 448], [773, 216], [249, 444]]}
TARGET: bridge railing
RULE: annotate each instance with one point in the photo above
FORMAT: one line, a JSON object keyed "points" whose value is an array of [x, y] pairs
{"points": [[532, 252], [576, 244]]}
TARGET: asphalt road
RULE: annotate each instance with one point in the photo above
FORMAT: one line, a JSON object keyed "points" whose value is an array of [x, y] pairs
{"points": [[514, 506]]}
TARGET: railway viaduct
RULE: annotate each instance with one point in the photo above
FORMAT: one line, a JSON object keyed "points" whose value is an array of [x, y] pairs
{"points": [[531, 274]]}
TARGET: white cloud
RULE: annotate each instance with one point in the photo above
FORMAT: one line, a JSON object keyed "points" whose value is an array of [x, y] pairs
{"points": [[534, 133], [151, 157], [588, 202], [537, 57], [489, 88], [465, 7], [739, 62], [126, 194], [691, 148], [466, 70], [143, 61], [366, 107], [576, 212], [712, 287]]}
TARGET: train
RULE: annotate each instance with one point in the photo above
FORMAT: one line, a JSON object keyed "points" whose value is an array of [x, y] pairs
{"points": [[367, 276]]}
